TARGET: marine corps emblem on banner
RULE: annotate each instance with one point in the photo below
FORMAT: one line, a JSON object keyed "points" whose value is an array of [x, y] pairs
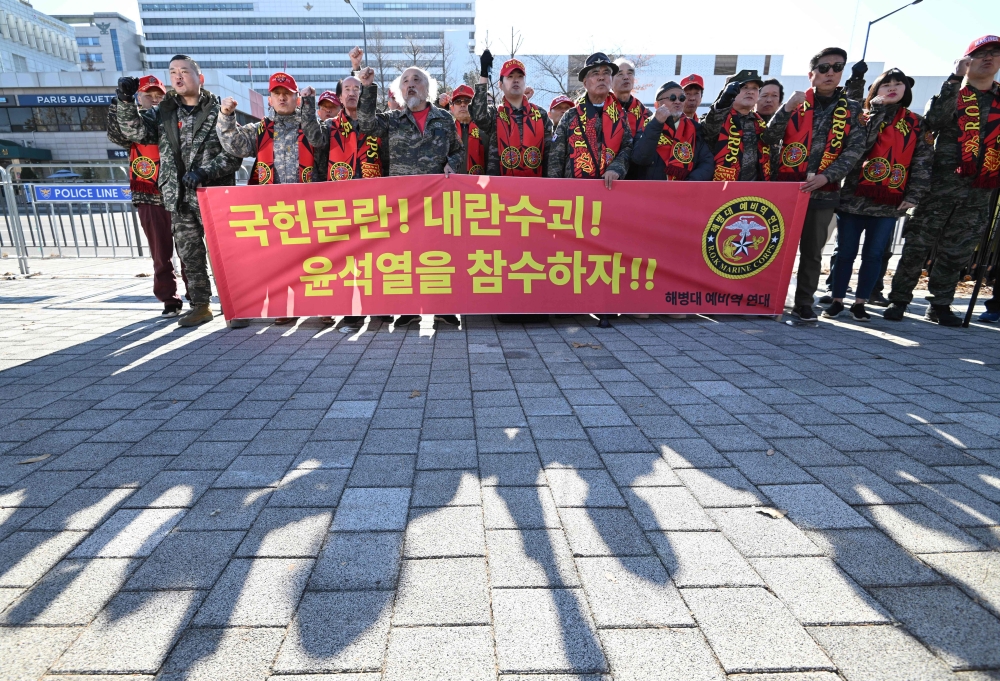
{"points": [[793, 154], [144, 168], [743, 237]]}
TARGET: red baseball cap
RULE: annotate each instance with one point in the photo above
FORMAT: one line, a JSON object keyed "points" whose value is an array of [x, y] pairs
{"points": [[147, 83], [982, 42], [693, 79], [561, 99], [284, 80], [510, 66], [462, 91], [329, 96]]}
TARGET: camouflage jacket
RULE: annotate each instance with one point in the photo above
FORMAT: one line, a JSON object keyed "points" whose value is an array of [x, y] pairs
{"points": [[115, 136], [942, 121], [711, 128], [560, 156], [485, 117], [187, 140], [854, 144], [411, 152], [241, 140], [917, 184]]}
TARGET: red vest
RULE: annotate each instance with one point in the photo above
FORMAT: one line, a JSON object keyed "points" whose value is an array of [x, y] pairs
{"points": [[263, 166], [144, 168]]}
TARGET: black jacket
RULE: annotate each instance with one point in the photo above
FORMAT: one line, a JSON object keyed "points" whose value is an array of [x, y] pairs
{"points": [[644, 154]]}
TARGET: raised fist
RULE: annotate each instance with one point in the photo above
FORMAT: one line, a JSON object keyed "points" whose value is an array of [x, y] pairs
{"points": [[444, 99], [961, 66], [795, 100], [662, 113], [859, 69], [308, 91], [356, 54], [367, 76], [228, 106], [127, 87], [528, 92], [485, 63], [728, 95]]}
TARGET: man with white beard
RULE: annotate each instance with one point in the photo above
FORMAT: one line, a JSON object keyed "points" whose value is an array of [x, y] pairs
{"points": [[420, 139]]}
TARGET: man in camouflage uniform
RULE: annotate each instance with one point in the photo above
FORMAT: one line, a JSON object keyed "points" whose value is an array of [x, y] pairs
{"points": [[514, 95], [288, 157], [183, 126], [954, 214], [739, 97], [825, 71], [144, 165], [421, 139]]}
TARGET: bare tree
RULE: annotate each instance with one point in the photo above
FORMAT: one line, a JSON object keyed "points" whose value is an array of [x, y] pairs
{"points": [[88, 61], [554, 72], [446, 52], [416, 54], [379, 60], [515, 42]]}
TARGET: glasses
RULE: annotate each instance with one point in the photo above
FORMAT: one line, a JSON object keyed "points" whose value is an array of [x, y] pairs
{"points": [[672, 98], [825, 68], [983, 54]]}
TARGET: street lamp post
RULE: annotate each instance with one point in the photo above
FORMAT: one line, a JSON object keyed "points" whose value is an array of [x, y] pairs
{"points": [[364, 28], [875, 21]]}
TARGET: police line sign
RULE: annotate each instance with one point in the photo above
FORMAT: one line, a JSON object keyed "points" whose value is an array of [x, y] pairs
{"points": [[80, 193]]}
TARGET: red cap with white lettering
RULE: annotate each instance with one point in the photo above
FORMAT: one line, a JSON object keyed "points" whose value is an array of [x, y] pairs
{"points": [[147, 83], [982, 42]]}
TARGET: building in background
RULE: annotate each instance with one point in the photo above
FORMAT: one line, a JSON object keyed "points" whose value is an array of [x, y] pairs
{"points": [[31, 41], [65, 114], [248, 41], [107, 41], [551, 75]]}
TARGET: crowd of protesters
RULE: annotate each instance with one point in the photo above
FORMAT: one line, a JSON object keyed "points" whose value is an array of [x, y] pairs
{"points": [[864, 157]]}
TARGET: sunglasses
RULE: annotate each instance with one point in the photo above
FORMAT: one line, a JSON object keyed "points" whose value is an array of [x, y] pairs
{"points": [[983, 54], [673, 98], [825, 68]]}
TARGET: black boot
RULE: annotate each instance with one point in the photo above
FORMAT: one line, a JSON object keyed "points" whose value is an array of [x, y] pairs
{"points": [[943, 315]]}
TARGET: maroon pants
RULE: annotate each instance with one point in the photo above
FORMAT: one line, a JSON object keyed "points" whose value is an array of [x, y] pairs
{"points": [[155, 221]]}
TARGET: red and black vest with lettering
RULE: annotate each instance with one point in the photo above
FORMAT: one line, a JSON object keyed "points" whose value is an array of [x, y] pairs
{"points": [[794, 162], [980, 155], [886, 168], [637, 115], [521, 157], [144, 168], [475, 151], [592, 156], [352, 156], [263, 165], [727, 159], [676, 148]]}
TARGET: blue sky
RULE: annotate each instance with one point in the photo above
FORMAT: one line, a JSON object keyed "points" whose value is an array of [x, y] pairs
{"points": [[922, 40]]}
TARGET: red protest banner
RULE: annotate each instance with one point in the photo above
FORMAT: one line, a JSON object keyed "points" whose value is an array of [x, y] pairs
{"points": [[481, 245]]}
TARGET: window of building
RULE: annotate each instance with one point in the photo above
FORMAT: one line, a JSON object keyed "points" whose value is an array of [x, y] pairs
{"points": [[21, 119], [53, 119], [417, 6], [290, 35], [725, 64], [93, 117], [117, 50], [198, 7], [303, 21], [4, 120], [20, 63], [91, 57], [88, 41], [677, 65]]}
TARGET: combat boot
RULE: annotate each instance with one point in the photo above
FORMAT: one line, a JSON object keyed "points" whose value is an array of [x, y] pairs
{"points": [[199, 314], [894, 313], [943, 315]]}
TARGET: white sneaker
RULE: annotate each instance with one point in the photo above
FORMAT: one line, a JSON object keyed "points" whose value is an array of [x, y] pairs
{"points": [[169, 312]]}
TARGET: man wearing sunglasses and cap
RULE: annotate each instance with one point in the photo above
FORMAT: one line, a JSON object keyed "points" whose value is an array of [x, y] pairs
{"points": [[965, 121], [734, 131], [671, 146], [468, 131], [593, 139], [519, 132], [822, 138], [143, 172], [283, 148]]}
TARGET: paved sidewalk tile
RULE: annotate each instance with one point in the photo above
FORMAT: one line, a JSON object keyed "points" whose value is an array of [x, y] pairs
{"points": [[703, 559], [211, 654], [751, 631], [545, 631], [667, 654], [667, 508], [632, 592], [872, 559], [883, 653], [530, 558], [757, 535], [441, 592], [459, 653], [918, 529], [372, 509], [445, 532], [720, 487], [814, 507], [978, 574], [257, 592], [28, 651]]}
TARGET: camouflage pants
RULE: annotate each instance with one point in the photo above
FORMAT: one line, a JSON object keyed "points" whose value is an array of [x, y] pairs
{"points": [[189, 237], [952, 219]]}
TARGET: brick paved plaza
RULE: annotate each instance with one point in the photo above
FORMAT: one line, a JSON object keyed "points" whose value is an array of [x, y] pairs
{"points": [[726, 498]]}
